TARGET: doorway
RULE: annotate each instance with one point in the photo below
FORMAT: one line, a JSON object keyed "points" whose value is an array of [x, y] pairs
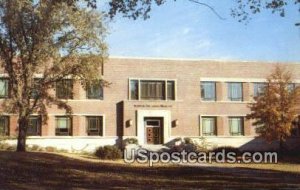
{"points": [[154, 130]]}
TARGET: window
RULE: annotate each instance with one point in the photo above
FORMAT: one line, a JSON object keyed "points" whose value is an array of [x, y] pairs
{"points": [[134, 89], [235, 91], [259, 88], [236, 126], [208, 91], [95, 91], [34, 92], [291, 87], [64, 89], [209, 126], [152, 90], [4, 126], [34, 128], [295, 131], [171, 90], [63, 126], [4, 88], [95, 126]]}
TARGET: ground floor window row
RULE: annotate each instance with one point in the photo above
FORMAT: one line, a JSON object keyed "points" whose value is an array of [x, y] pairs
{"points": [[209, 126], [236, 125], [63, 126]]}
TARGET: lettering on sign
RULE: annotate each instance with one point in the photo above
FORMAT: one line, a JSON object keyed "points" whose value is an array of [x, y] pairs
{"points": [[152, 106]]}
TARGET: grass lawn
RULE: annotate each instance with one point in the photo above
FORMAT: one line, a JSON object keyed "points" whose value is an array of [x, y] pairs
{"points": [[36, 170]]}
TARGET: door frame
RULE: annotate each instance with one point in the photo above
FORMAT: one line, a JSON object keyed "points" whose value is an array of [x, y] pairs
{"points": [[160, 126], [166, 124]]}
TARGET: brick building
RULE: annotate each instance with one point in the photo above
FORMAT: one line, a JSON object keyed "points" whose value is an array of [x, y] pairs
{"points": [[155, 101]]}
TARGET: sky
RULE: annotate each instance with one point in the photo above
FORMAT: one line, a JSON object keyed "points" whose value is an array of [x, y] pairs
{"points": [[183, 29]]}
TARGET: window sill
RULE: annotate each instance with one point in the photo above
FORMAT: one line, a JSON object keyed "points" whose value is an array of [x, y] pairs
{"points": [[72, 137], [153, 101], [30, 136], [74, 100], [227, 101], [228, 136]]}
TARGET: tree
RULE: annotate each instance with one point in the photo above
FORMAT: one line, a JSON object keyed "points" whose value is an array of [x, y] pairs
{"points": [[242, 11], [274, 109], [245, 8], [54, 39], [141, 8]]}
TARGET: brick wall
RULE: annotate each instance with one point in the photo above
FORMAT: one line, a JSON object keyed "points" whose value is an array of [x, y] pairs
{"points": [[188, 106]]}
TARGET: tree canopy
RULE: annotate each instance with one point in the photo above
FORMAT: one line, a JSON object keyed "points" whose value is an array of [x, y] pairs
{"points": [[242, 10], [245, 8], [275, 109], [41, 43]]}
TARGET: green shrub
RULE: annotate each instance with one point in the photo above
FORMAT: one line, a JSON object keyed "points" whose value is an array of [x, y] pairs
{"points": [[50, 149], [35, 147], [32, 147], [63, 151], [6, 146], [109, 152], [129, 141], [188, 140]]}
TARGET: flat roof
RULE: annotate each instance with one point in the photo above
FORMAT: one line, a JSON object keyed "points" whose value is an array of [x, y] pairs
{"points": [[200, 59]]}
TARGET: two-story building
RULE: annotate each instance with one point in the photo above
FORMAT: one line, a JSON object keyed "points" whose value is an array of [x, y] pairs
{"points": [[155, 101]]}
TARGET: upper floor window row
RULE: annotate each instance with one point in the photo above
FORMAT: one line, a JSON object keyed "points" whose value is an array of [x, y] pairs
{"points": [[152, 89], [234, 90], [259, 88], [64, 90]]}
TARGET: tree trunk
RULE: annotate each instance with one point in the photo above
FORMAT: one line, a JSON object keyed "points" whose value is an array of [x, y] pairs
{"points": [[23, 123], [281, 145]]}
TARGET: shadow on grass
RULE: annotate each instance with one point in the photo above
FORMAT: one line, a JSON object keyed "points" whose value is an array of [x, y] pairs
{"points": [[44, 170]]}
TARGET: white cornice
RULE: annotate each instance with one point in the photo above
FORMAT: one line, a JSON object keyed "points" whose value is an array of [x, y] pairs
{"points": [[201, 60]]}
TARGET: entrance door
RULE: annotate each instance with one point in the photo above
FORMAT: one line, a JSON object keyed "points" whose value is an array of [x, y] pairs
{"points": [[153, 131]]}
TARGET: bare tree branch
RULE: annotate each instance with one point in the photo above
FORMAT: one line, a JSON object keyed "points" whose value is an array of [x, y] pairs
{"points": [[210, 7]]}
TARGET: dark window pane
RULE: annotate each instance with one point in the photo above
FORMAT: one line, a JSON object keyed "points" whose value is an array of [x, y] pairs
{"points": [[236, 126], [34, 128], [4, 126], [4, 88], [208, 91], [209, 126], [63, 126], [34, 92], [259, 88], [235, 91], [95, 126], [291, 87], [152, 123], [134, 89], [95, 91], [295, 131], [64, 89], [152, 90], [171, 90]]}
